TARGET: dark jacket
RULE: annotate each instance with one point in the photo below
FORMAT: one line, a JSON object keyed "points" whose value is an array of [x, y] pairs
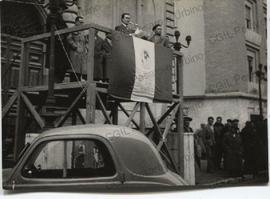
{"points": [[209, 139], [219, 132], [124, 29], [160, 40]]}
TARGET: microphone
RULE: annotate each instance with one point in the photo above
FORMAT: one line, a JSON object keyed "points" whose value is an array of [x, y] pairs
{"points": [[133, 23]]}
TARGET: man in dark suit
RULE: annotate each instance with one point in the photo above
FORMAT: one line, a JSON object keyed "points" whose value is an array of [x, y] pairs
{"points": [[107, 47], [157, 38], [61, 61], [209, 142], [124, 27], [218, 131]]}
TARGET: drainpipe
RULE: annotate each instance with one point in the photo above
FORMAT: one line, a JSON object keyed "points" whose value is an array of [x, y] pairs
{"points": [[139, 12]]}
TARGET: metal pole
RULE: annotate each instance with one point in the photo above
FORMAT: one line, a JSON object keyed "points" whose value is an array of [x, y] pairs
{"points": [[180, 120]]}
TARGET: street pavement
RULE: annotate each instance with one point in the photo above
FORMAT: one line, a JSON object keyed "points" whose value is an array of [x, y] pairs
{"points": [[221, 177]]}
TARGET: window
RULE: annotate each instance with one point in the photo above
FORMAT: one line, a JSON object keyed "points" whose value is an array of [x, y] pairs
{"points": [[248, 17], [251, 15], [139, 157], [70, 159], [252, 61], [250, 67]]}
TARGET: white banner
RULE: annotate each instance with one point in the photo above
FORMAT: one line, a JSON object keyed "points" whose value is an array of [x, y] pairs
{"points": [[144, 85]]}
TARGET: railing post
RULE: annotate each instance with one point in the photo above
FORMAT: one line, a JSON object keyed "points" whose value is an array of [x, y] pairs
{"points": [[180, 120], [142, 117], [115, 113], [185, 141], [91, 86], [19, 137]]}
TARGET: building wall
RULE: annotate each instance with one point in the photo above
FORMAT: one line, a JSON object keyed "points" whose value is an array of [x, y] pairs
{"points": [[226, 107], [189, 15], [225, 51], [108, 12]]}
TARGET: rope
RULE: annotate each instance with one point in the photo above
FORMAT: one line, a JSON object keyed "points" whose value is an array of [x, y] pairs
{"points": [[72, 67]]}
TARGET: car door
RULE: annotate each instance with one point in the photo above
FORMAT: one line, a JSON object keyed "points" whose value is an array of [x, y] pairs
{"points": [[74, 163]]}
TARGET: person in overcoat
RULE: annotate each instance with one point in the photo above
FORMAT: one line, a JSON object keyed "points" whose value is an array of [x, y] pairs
{"points": [[233, 150]]}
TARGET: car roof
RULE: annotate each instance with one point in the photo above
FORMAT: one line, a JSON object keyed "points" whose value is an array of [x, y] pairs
{"points": [[105, 131]]}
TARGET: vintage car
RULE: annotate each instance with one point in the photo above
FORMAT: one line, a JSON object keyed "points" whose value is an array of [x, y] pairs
{"points": [[88, 157]]}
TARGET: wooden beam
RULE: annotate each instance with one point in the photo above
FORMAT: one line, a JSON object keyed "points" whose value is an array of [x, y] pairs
{"points": [[70, 109], [163, 117], [142, 117], [180, 116], [114, 113], [19, 137], [9, 104], [153, 120], [68, 30], [103, 109], [126, 113], [32, 110], [132, 114], [74, 118], [160, 135], [166, 131], [91, 85], [91, 104], [80, 116], [7, 73], [62, 87]]}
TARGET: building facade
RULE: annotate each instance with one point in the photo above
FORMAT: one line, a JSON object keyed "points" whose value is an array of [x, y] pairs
{"points": [[228, 44]]}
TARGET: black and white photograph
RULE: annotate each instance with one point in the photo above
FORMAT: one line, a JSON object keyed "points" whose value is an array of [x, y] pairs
{"points": [[133, 95]]}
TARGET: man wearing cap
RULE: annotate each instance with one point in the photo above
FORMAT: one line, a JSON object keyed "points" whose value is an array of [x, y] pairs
{"points": [[209, 142], [157, 38], [187, 128]]}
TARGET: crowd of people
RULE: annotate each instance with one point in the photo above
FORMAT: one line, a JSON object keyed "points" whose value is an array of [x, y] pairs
{"points": [[226, 147]]}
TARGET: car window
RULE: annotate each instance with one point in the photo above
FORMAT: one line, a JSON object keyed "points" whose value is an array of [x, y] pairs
{"points": [[139, 157], [70, 159]]}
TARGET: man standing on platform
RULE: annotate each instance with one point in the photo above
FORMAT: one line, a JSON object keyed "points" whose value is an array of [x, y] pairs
{"points": [[124, 27], [157, 38]]}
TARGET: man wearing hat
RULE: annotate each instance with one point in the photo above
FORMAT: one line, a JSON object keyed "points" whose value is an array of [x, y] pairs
{"points": [[187, 128], [157, 38]]}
